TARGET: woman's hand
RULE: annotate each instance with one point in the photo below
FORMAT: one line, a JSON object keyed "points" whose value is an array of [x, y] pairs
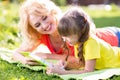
{"points": [[24, 60], [29, 61]]}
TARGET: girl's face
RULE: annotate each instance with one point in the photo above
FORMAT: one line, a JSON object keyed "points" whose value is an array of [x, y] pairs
{"points": [[72, 39], [43, 24]]}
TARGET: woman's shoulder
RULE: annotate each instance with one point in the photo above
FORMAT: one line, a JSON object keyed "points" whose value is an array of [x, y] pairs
{"points": [[44, 37]]}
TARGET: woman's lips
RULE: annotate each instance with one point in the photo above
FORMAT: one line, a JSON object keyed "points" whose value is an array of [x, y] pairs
{"points": [[48, 28]]}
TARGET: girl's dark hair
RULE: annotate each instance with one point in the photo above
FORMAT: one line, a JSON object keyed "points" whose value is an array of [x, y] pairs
{"points": [[75, 22]]}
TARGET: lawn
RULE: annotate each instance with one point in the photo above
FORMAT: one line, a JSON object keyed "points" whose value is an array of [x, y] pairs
{"points": [[10, 38]]}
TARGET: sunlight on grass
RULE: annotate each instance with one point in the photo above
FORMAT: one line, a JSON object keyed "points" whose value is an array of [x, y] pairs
{"points": [[97, 12], [21, 78], [103, 13], [102, 17]]}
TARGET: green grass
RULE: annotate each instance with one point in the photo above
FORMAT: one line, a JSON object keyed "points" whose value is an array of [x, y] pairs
{"points": [[14, 72], [9, 38]]}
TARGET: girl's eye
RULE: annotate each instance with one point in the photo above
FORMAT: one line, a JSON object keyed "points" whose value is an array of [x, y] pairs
{"points": [[37, 25], [44, 18]]}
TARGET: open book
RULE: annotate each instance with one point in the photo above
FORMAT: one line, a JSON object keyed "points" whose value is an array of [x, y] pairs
{"points": [[6, 54], [40, 60]]}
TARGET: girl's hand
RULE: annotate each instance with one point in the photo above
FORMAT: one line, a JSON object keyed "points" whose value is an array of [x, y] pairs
{"points": [[58, 68], [74, 64], [61, 63]]}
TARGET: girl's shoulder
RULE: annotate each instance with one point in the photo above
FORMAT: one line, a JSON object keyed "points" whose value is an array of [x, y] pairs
{"points": [[92, 40]]}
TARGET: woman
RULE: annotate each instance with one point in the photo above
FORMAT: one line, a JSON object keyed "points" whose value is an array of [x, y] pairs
{"points": [[38, 23]]}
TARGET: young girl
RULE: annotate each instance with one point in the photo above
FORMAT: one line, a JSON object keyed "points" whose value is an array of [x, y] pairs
{"points": [[92, 51], [38, 23]]}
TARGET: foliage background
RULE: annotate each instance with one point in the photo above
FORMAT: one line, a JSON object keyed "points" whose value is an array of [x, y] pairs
{"points": [[10, 35]]}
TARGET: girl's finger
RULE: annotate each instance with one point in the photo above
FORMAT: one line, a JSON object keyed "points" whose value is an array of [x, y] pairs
{"points": [[49, 70], [32, 63]]}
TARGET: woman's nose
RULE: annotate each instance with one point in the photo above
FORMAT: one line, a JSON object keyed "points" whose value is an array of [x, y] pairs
{"points": [[43, 25]]}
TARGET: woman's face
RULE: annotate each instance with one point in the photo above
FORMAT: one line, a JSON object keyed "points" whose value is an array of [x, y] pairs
{"points": [[43, 24], [72, 39]]}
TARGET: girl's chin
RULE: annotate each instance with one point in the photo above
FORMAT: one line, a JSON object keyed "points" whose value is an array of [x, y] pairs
{"points": [[71, 44]]}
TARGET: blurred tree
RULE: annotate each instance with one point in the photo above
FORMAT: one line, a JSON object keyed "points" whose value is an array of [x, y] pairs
{"points": [[87, 2], [12, 1], [60, 2]]}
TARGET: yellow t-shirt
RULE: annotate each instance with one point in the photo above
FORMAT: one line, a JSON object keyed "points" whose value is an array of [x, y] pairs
{"points": [[105, 55]]}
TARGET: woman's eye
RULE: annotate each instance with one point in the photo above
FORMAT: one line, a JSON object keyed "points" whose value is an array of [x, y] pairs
{"points": [[37, 25], [44, 18]]}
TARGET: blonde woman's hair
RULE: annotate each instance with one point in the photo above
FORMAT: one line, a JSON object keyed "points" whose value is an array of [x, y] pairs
{"points": [[35, 7]]}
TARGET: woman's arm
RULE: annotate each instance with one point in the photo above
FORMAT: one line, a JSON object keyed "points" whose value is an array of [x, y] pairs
{"points": [[50, 56], [57, 56]]}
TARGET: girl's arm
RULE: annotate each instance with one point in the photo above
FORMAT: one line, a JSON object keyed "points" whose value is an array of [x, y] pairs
{"points": [[89, 67]]}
